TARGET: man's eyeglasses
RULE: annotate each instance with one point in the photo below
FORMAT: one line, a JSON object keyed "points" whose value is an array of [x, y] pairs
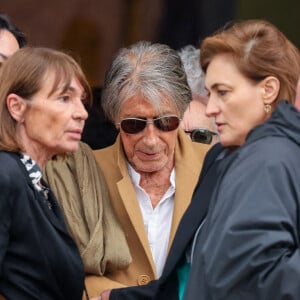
{"points": [[136, 125], [201, 135]]}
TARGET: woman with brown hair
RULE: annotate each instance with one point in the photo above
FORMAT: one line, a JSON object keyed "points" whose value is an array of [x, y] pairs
{"points": [[42, 114], [248, 246]]}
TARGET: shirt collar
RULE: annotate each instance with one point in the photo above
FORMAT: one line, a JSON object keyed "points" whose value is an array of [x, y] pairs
{"points": [[136, 177]]}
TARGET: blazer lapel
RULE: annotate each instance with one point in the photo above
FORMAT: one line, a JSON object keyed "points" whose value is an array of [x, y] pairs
{"points": [[54, 214], [131, 204], [188, 163]]}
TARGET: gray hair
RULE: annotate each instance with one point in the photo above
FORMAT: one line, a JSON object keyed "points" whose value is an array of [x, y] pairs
{"points": [[153, 71], [190, 57]]}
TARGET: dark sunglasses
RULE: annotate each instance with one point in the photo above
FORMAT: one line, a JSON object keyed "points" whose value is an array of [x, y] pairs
{"points": [[201, 135], [136, 125]]}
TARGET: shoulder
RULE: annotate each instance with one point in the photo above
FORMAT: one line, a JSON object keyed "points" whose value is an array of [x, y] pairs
{"points": [[9, 166], [107, 151], [12, 176], [185, 149], [201, 148], [107, 155], [7, 157], [84, 148], [269, 151], [268, 166]]}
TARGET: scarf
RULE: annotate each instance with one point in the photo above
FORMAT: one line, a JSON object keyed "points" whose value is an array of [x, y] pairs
{"points": [[79, 185]]}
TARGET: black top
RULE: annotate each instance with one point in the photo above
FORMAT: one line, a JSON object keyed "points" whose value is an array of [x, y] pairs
{"points": [[38, 258]]}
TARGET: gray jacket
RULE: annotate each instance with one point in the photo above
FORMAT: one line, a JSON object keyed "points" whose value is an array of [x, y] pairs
{"points": [[249, 246]]}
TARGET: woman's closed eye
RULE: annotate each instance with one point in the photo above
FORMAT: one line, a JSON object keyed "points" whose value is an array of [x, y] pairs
{"points": [[64, 98], [222, 93], [72, 96]]}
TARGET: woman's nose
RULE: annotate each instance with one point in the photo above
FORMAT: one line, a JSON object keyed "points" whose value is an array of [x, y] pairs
{"points": [[211, 107], [80, 110]]}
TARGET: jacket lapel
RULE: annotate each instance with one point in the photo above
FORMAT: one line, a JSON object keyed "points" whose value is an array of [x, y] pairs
{"points": [[188, 164], [131, 204], [54, 214], [195, 213]]}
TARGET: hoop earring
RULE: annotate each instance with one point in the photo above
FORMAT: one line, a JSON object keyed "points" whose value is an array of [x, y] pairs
{"points": [[268, 108]]}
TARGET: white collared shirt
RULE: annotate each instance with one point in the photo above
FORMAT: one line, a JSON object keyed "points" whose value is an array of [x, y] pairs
{"points": [[158, 220]]}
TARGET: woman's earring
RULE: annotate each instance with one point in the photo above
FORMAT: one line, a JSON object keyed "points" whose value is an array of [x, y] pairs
{"points": [[267, 108]]}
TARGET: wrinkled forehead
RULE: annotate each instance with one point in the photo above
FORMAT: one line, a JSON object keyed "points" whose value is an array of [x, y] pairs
{"points": [[159, 102]]}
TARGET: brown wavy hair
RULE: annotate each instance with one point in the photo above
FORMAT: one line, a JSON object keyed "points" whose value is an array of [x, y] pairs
{"points": [[259, 50], [24, 74]]}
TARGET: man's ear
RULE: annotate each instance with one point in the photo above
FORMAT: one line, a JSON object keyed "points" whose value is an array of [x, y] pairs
{"points": [[16, 107], [270, 89]]}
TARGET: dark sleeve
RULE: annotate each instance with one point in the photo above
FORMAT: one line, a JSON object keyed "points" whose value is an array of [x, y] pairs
{"points": [[210, 158], [7, 192], [252, 248]]}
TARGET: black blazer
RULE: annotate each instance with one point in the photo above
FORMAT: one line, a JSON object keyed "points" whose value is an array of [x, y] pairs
{"points": [[166, 287], [38, 258]]}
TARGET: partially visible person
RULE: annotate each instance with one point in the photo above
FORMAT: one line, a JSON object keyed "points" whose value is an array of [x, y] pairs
{"points": [[42, 114], [247, 245], [152, 168], [195, 123], [11, 38]]}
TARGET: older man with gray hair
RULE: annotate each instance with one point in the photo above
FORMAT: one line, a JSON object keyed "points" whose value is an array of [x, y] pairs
{"points": [[152, 168], [150, 171]]}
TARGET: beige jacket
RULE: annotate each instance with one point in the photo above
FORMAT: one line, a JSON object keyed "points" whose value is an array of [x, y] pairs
{"points": [[188, 162]]}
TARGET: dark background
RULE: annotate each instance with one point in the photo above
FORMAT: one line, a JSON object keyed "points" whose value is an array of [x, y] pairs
{"points": [[93, 30]]}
